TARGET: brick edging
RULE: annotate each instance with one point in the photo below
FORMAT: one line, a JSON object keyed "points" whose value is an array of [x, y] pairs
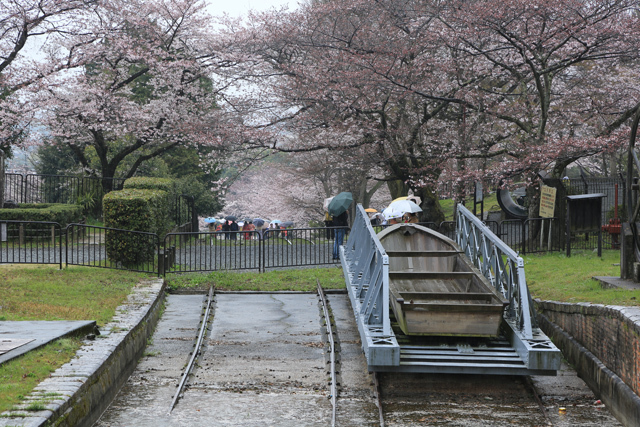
{"points": [[619, 397]]}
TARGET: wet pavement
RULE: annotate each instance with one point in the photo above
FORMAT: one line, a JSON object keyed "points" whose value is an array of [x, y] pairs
{"points": [[264, 364], [19, 337]]}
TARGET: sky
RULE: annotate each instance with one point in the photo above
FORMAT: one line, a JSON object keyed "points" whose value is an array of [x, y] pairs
{"points": [[241, 7]]}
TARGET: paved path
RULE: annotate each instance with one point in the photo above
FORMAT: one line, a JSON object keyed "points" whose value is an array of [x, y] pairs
{"points": [[264, 365]]}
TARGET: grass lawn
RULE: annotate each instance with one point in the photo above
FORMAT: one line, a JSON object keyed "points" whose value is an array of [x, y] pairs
{"points": [[558, 278], [490, 204], [46, 293]]}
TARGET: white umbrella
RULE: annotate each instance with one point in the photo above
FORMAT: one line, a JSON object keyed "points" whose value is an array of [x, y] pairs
{"points": [[404, 206], [391, 213], [325, 205]]}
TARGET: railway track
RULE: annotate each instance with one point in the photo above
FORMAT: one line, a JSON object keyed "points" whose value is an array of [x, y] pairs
{"points": [[296, 360]]}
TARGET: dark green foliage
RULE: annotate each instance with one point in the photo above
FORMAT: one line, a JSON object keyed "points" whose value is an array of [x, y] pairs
{"points": [[148, 183], [172, 188], [622, 213], [137, 210], [63, 214]]}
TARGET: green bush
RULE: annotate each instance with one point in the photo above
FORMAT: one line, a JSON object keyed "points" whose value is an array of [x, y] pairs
{"points": [[63, 214], [149, 183], [137, 210], [172, 187]]}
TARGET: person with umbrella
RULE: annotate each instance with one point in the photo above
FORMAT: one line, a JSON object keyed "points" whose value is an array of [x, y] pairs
{"points": [[338, 210], [248, 226]]}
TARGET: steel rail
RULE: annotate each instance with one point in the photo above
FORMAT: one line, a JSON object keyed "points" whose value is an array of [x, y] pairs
{"points": [[376, 392], [196, 351], [332, 355]]}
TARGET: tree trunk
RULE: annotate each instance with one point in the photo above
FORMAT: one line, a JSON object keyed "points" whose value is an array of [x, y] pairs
{"points": [[431, 210], [397, 188], [2, 178]]}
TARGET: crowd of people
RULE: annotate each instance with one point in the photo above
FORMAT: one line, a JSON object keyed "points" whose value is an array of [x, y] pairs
{"points": [[244, 230]]}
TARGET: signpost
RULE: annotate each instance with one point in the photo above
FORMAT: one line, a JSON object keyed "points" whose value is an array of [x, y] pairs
{"points": [[547, 209]]}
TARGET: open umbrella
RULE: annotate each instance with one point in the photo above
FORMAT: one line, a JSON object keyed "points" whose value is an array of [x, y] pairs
{"points": [[404, 206], [414, 199], [210, 220], [275, 221], [391, 213], [287, 224], [340, 203], [370, 210], [258, 222], [325, 205], [230, 218]]}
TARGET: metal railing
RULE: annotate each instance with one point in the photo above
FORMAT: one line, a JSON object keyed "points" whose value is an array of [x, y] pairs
{"points": [[248, 250], [500, 265], [104, 247], [366, 268], [35, 188], [179, 252], [370, 272], [31, 242]]}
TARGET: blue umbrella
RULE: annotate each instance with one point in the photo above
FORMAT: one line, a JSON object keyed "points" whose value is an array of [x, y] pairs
{"points": [[340, 203], [210, 220]]}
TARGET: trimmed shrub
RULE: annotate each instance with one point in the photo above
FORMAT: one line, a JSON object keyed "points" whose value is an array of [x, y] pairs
{"points": [[149, 183], [137, 210], [172, 187], [63, 214]]}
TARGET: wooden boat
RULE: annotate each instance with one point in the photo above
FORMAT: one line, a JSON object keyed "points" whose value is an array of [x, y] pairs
{"points": [[435, 289]]}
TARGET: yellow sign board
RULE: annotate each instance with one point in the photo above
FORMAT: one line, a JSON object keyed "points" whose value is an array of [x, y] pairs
{"points": [[547, 201]]}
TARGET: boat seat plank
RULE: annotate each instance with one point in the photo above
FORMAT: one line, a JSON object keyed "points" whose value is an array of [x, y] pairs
{"points": [[452, 307], [421, 253], [429, 275], [434, 285], [448, 295]]}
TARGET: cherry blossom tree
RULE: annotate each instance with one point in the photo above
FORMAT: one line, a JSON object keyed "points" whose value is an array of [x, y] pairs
{"points": [[447, 90], [38, 38], [147, 89]]}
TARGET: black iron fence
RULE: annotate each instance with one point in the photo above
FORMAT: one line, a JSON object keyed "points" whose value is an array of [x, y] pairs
{"points": [[24, 242], [35, 188], [248, 250], [86, 191], [181, 252], [28, 242]]}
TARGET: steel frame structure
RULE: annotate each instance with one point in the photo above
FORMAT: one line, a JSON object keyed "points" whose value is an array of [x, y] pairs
{"points": [[522, 350]]}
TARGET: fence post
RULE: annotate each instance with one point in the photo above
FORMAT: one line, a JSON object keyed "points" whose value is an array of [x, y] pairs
{"points": [[524, 236], [21, 234], [261, 253], [66, 247]]}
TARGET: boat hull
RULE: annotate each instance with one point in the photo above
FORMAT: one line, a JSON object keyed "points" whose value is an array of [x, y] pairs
{"points": [[434, 288]]}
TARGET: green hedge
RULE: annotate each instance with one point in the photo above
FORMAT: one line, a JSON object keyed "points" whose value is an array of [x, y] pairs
{"points": [[147, 183], [138, 210], [171, 186], [63, 214]]}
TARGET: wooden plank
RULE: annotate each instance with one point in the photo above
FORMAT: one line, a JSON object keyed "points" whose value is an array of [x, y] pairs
{"points": [[447, 295], [458, 306], [421, 253], [429, 275]]}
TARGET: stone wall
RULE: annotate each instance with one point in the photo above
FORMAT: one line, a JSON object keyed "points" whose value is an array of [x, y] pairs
{"points": [[603, 344]]}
